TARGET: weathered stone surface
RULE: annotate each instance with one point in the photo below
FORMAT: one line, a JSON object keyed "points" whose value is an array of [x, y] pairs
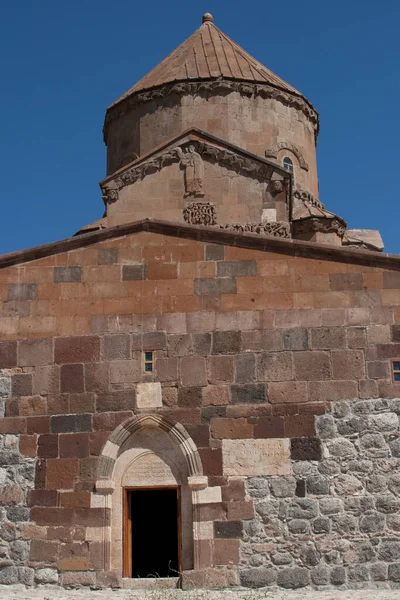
{"points": [[294, 578], [256, 457], [259, 577]]}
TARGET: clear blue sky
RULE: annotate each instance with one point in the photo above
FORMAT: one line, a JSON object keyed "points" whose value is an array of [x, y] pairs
{"points": [[63, 63]]}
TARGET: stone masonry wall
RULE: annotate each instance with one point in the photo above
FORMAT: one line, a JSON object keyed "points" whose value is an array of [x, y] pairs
{"points": [[336, 520]]}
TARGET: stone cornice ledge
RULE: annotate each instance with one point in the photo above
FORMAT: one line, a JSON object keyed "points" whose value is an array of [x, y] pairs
{"points": [[210, 235]]}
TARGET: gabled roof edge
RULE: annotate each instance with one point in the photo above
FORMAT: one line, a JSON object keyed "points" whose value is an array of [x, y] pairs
{"points": [[211, 235]]}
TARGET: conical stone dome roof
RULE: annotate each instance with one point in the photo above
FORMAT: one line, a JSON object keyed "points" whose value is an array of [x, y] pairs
{"points": [[206, 55]]}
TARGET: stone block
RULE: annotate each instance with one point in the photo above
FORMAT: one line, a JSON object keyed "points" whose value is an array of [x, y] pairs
{"points": [[16, 308], [293, 578], [21, 384], [275, 366], [214, 287], [378, 369], [269, 427], [148, 395], [214, 252], [253, 458], [116, 347], [228, 529], [79, 349], [295, 339], [179, 345], [310, 366], [346, 281], [297, 426], [42, 497], [190, 396], [292, 392], [211, 459], [134, 272], [74, 445], [329, 391], [62, 473], [226, 551], [193, 371], [22, 291], [71, 378], [48, 446], [231, 428], [8, 354], [245, 365], [237, 268], [226, 342], [67, 274], [201, 343], [216, 395], [257, 577], [107, 256], [97, 378], [251, 393], [348, 364], [326, 338], [305, 449], [220, 369]]}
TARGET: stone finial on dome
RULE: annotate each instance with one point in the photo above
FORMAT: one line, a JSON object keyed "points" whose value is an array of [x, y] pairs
{"points": [[208, 18]]}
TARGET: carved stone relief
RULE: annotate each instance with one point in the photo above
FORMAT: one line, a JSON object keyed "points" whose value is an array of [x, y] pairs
{"points": [[192, 162], [200, 213], [321, 225], [308, 198], [276, 229]]}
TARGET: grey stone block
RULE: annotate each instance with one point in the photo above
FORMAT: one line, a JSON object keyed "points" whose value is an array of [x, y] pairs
{"points": [[134, 272], [283, 487], [214, 252], [295, 339], [22, 291], [245, 367], [389, 551], [298, 526], [226, 342], [26, 575], [296, 577], [303, 509], [379, 571], [317, 485], [320, 575], [282, 558], [372, 523], [387, 504], [67, 274], [214, 287], [321, 525], [257, 577], [237, 268], [249, 394], [394, 572], [9, 575], [338, 575], [325, 426], [107, 256]]}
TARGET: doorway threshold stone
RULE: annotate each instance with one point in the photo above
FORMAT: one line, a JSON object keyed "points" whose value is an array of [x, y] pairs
{"points": [[150, 583]]}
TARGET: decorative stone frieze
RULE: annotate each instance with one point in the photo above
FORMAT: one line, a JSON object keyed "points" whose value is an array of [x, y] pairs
{"points": [[208, 89], [320, 225], [278, 229], [308, 198], [200, 213]]}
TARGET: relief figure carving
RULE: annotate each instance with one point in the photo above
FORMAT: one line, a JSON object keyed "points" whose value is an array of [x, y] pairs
{"points": [[194, 171]]}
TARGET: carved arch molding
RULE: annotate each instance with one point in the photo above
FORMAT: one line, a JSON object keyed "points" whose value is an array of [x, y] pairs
{"points": [[273, 153], [117, 466]]}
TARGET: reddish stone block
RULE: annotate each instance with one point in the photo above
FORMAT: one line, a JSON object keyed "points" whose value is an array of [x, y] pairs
{"points": [[97, 378], [44, 551], [357, 337], [310, 366], [74, 564], [42, 498], [21, 384], [348, 364], [299, 426], [38, 425], [32, 405], [346, 281], [13, 425], [269, 427], [211, 459], [240, 510], [74, 499], [97, 441], [92, 517], [123, 400], [387, 351], [287, 391], [96, 558], [190, 396], [193, 371], [277, 366], [79, 349], [216, 395], [40, 474], [71, 378], [82, 403], [74, 445], [329, 391], [8, 354], [186, 416], [369, 389], [108, 421], [211, 512], [226, 552], [234, 490], [48, 446], [28, 445], [167, 369], [231, 429], [220, 369], [325, 338], [116, 347], [200, 434], [62, 473], [32, 353], [391, 280], [378, 369]]}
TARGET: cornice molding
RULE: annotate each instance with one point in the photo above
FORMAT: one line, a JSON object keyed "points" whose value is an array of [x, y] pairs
{"points": [[212, 88]]}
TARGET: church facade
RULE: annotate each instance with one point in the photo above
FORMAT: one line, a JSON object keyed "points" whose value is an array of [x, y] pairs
{"points": [[202, 388]]}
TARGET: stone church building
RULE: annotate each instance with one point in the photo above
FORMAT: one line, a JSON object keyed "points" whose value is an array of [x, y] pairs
{"points": [[202, 388]]}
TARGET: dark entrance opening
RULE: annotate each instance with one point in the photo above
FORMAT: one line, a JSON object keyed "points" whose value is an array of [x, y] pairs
{"points": [[152, 533]]}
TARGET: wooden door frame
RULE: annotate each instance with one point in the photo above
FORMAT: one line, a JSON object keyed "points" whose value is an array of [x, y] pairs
{"points": [[127, 525]]}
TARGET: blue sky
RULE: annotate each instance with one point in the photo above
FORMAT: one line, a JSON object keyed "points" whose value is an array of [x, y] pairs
{"points": [[63, 63]]}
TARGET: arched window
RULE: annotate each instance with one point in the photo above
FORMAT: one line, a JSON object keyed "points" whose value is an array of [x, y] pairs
{"points": [[288, 165]]}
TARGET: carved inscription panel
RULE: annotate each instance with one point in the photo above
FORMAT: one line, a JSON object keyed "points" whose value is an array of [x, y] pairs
{"points": [[147, 470], [254, 458]]}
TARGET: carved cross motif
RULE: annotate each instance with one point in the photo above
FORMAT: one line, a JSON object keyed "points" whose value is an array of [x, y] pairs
{"points": [[200, 213]]}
